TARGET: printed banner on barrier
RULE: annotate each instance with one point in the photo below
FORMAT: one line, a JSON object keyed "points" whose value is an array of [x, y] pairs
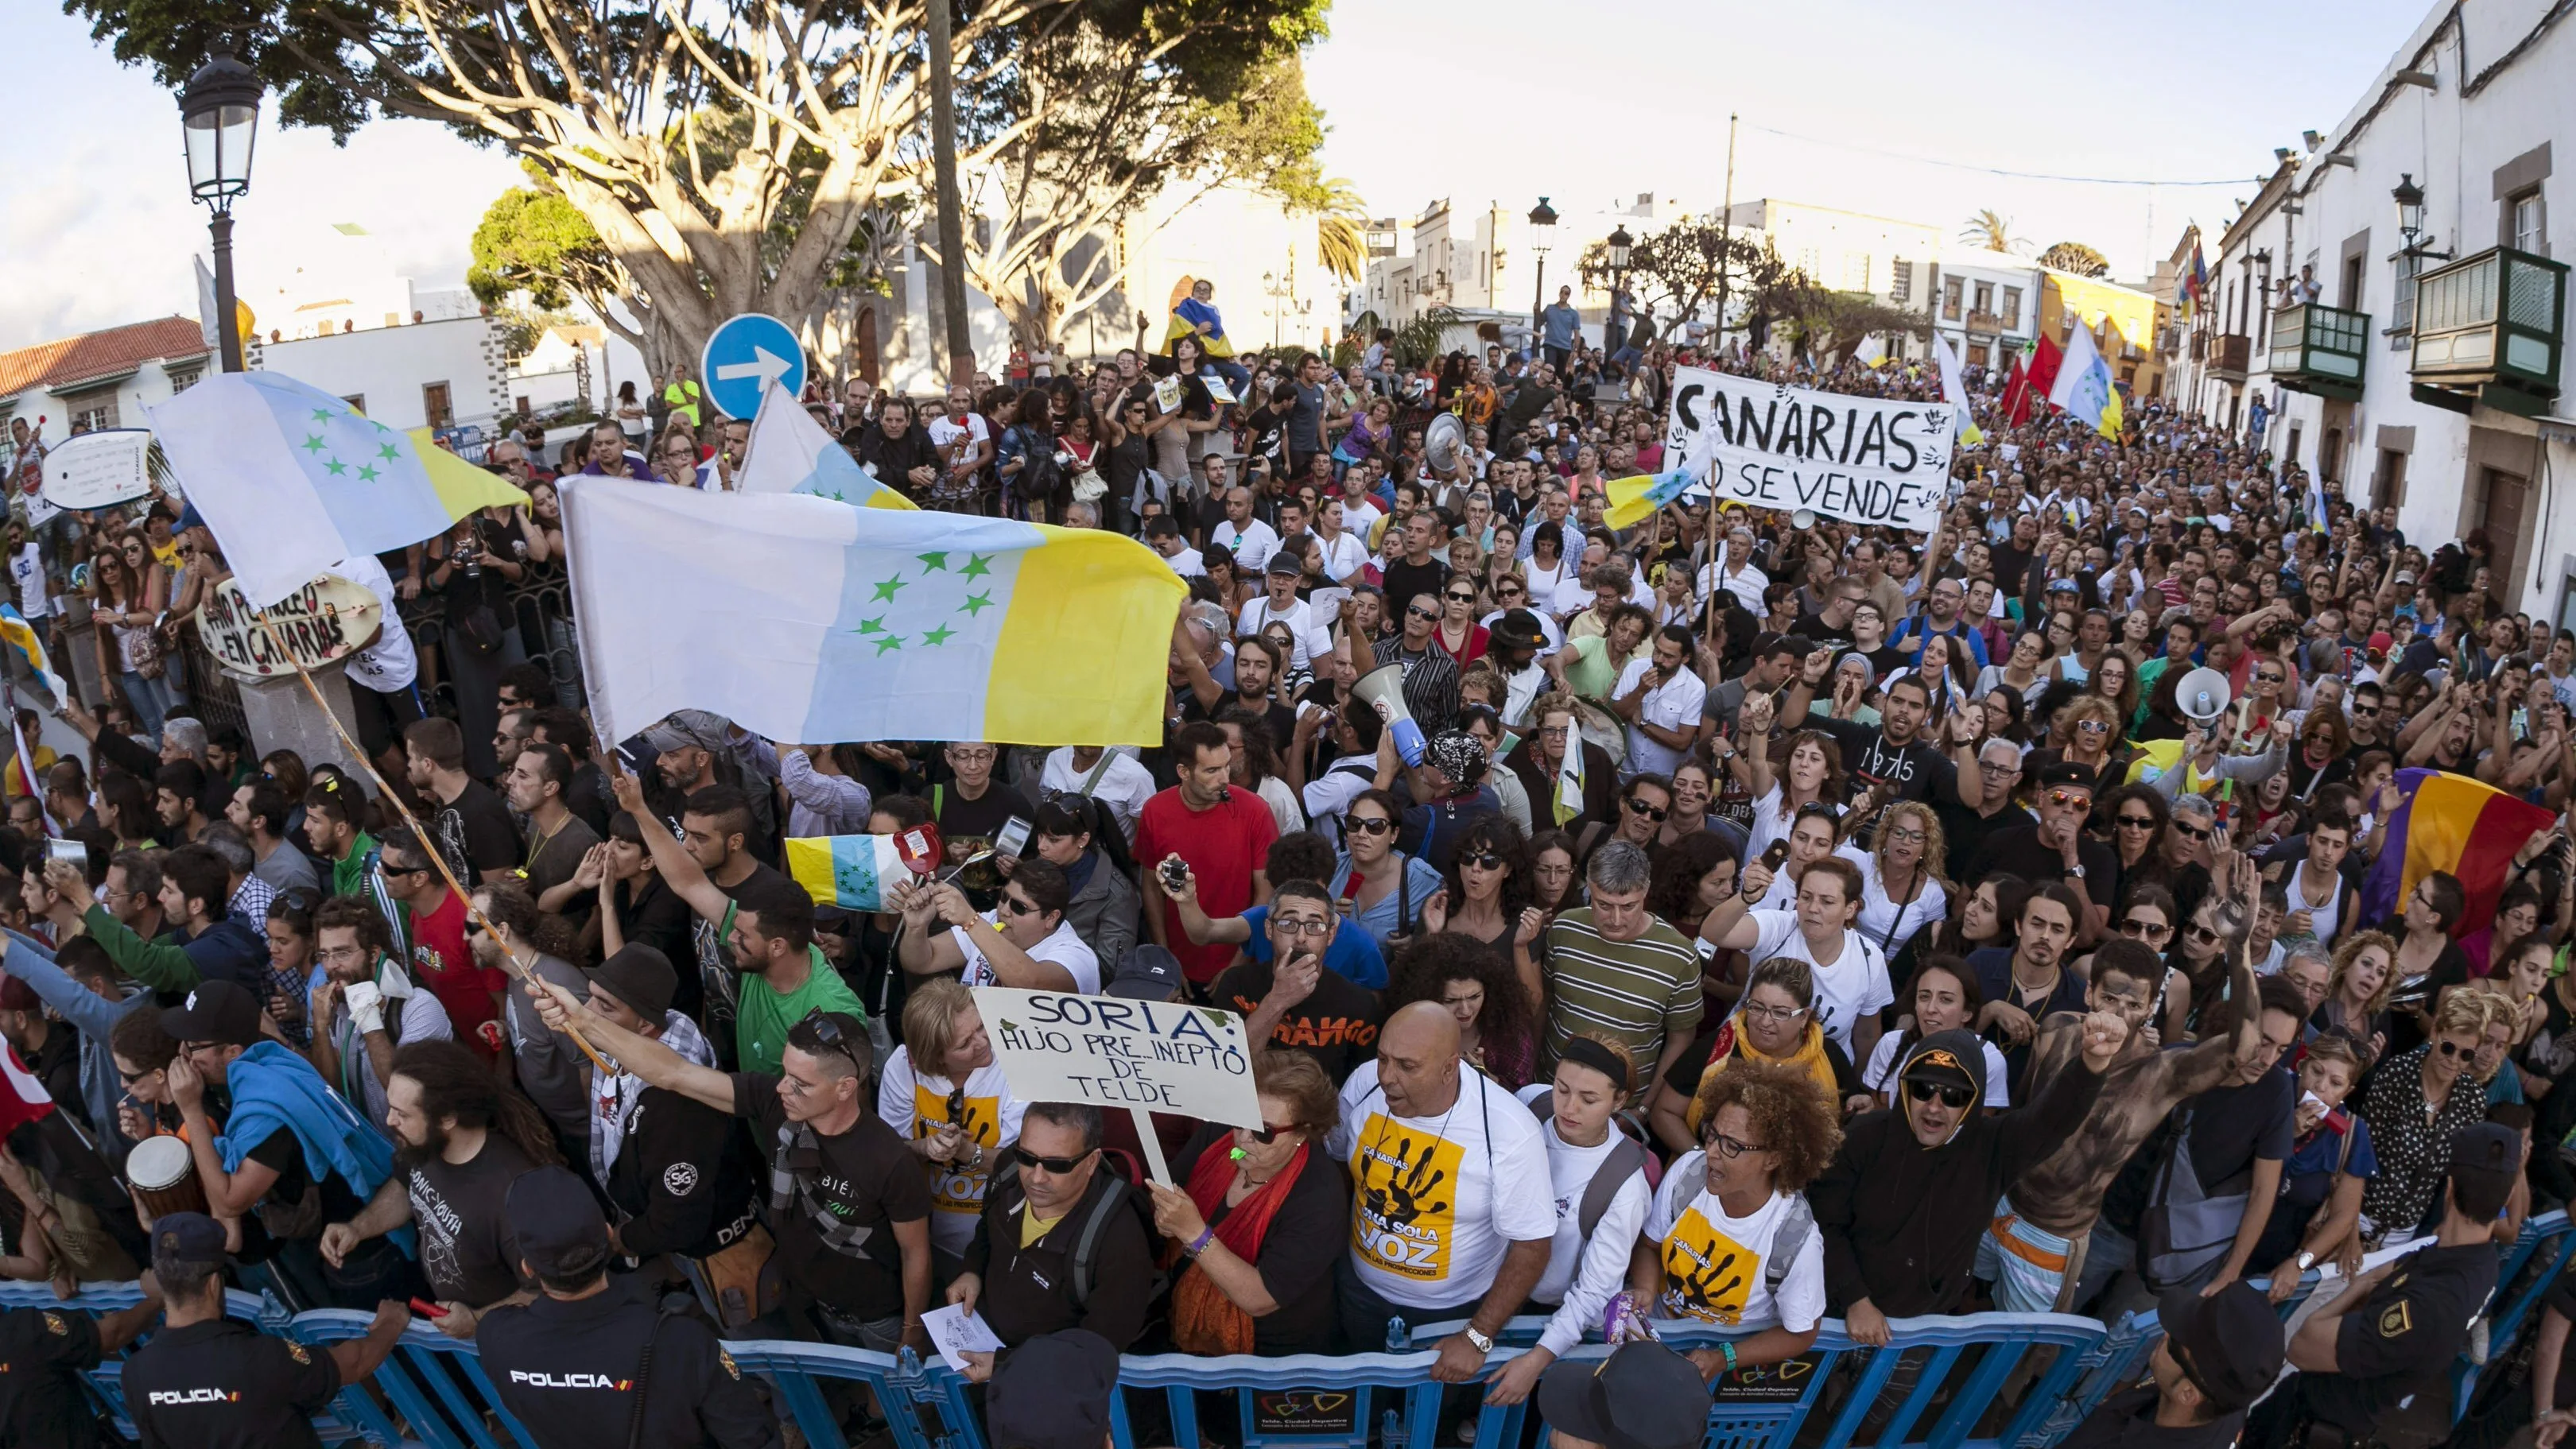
{"points": [[1769, 445], [1055, 1046]]}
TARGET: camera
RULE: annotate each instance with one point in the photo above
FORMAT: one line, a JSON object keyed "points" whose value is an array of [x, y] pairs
{"points": [[1175, 876]]}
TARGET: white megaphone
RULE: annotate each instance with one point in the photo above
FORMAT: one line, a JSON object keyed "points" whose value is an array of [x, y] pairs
{"points": [[2202, 696], [1383, 690]]}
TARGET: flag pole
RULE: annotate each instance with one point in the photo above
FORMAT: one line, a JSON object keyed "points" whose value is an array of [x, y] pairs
{"points": [[437, 860]]}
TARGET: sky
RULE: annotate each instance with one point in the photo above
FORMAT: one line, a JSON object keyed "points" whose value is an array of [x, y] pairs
{"points": [[1476, 101]]}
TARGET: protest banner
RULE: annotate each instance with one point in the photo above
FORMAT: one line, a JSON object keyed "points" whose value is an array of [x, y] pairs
{"points": [[1769, 445], [1146, 1056], [326, 620], [99, 469]]}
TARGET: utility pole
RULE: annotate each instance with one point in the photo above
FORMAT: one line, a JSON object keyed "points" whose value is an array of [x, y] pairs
{"points": [[952, 229], [1725, 236]]}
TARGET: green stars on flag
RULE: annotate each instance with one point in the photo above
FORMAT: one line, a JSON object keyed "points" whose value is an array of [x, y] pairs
{"points": [[335, 467], [388, 453], [934, 560], [323, 415], [369, 474], [888, 644], [978, 566], [886, 589], [976, 604], [871, 626], [313, 442], [940, 635]]}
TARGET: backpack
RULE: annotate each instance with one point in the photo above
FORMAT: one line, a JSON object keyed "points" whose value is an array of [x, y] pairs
{"points": [[1122, 1196], [1627, 1158], [1788, 1237]]}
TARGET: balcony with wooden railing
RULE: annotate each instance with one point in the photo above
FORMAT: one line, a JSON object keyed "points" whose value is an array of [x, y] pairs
{"points": [[2320, 349], [2229, 355], [2488, 330]]}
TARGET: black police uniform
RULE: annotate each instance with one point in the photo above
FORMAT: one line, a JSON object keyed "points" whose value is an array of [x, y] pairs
{"points": [[2391, 1352], [574, 1373], [225, 1385], [2128, 1421], [43, 1354]]}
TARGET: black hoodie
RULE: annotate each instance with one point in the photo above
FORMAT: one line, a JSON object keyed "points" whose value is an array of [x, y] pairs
{"points": [[1900, 1221]]}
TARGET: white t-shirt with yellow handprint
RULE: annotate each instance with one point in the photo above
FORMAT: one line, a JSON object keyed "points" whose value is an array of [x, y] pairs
{"points": [[915, 1106], [1713, 1263], [1440, 1199]]}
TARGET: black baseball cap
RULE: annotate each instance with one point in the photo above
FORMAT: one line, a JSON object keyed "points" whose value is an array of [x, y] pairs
{"points": [[218, 1012], [2485, 1160], [639, 976], [1052, 1392], [1643, 1396], [2066, 774], [1949, 1059], [186, 1240], [558, 1224], [2229, 1344], [1147, 973]]}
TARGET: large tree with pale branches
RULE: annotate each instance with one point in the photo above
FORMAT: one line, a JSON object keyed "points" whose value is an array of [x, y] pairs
{"points": [[726, 151]]}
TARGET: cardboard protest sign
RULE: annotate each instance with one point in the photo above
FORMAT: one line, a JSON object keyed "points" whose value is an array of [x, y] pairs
{"points": [[326, 620], [1146, 1056], [99, 469], [1769, 445]]}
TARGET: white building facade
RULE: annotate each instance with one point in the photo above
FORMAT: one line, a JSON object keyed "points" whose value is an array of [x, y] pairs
{"points": [[2424, 372]]}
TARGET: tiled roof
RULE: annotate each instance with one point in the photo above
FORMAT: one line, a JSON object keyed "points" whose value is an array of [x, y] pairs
{"points": [[100, 354]]}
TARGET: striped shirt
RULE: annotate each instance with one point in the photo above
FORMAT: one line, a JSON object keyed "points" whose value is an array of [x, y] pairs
{"points": [[1638, 993]]}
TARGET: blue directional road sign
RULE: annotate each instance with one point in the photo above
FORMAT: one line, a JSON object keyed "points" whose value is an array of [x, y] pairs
{"points": [[743, 355]]}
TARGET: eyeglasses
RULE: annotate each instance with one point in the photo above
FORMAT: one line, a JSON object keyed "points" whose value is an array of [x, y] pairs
{"points": [[1956, 1098], [1056, 1166], [1418, 612], [2076, 798], [1268, 1132], [1301, 926], [2092, 726], [1017, 906], [402, 869], [1905, 834], [1460, 598], [1776, 1015], [1368, 824], [2268, 678], [2451, 1049], [1482, 860], [2145, 930], [1637, 806], [2196, 832], [2135, 822], [2200, 933], [1728, 1147]]}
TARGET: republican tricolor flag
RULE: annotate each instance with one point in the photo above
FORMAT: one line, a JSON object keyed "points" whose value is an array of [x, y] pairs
{"points": [[2454, 824]]}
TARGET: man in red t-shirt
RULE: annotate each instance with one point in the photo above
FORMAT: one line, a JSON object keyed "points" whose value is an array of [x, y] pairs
{"points": [[1224, 835], [440, 959]]}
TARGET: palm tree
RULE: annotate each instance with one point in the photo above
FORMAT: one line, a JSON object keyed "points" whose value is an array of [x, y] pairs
{"points": [[1339, 219], [1992, 230]]}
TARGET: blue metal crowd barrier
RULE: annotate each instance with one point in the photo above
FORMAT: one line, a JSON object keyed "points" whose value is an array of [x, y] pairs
{"points": [[1939, 1385]]}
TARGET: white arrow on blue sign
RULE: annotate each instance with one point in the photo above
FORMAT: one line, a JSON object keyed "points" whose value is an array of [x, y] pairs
{"points": [[746, 353]]}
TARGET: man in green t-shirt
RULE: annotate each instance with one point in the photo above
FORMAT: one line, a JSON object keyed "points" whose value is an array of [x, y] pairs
{"points": [[784, 976], [682, 395]]}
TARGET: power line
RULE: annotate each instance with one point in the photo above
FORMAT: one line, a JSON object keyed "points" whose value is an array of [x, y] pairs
{"points": [[1991, 170]]}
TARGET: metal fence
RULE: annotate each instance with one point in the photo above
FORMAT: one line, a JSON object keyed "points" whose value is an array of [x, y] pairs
{"points": [[1979, 1381]]}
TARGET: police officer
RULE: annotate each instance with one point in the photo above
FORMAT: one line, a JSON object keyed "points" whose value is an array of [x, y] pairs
{"points": [[587, 1364], [44, 1353], [211, 1382], [2374, 1361], [2217, 1355]]}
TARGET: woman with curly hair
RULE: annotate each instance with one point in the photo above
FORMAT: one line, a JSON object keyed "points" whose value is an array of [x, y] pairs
{"points": [[2139, 815], [1766, 1131], [1497, 1027], [2085, 731], [1902, 888], [1486, 892], [2357, 996], [2115, 680]]}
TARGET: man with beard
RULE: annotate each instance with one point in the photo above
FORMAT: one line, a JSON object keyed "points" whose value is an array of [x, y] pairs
{"points": [[367, 1005], [459, 1142]]}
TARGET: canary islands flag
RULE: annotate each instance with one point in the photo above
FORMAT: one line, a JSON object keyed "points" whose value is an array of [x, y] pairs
{"points": [[790, 453], [2454, 824], [2083, 385], [853, 872], [292, 480], [22, 638], [804, 619], [1633, 500]]}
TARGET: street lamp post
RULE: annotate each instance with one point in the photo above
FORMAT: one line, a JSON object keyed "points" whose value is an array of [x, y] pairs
{"points": [[219, 113], [1542, 221], [1620, 241], [1277, 290]]}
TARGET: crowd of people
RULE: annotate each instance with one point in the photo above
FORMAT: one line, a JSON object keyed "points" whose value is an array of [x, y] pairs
{"points": [[1776, 923]]}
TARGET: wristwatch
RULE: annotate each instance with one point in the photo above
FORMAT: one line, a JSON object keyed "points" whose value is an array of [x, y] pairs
{"points": [[2307, 1260], [1483, 1344], [2075, 872]]}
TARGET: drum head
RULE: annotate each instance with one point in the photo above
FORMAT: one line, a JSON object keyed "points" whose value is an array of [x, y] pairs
{"points": [[157, 1162]]}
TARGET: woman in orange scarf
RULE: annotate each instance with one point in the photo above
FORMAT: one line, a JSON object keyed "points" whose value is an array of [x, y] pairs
{"points": [[1776, 1024], [1262, 1215]]}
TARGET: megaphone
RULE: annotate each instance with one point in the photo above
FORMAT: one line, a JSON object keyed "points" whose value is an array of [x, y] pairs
{"points": [[2202, 696], [1383, 690], [1802, 519], [1441, 444]]}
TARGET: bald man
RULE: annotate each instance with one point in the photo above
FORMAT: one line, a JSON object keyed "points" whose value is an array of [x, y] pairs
{"points": [[1453, 1212]]}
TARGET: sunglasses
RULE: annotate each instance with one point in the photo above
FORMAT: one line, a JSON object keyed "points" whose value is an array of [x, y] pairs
{"points": [[2196, 832], [1460, 598], [1640, 807], [1269, 1132], [2137, 822], [2092, 726], [1369, 824], [1018, 907], [1055, 1166], [2449, 1049], [2200, 933], [2144, 930], [1482, 860], [2076, 798], [1419, 612], [828, 1033], [1956, 1098], [402, 869]]}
